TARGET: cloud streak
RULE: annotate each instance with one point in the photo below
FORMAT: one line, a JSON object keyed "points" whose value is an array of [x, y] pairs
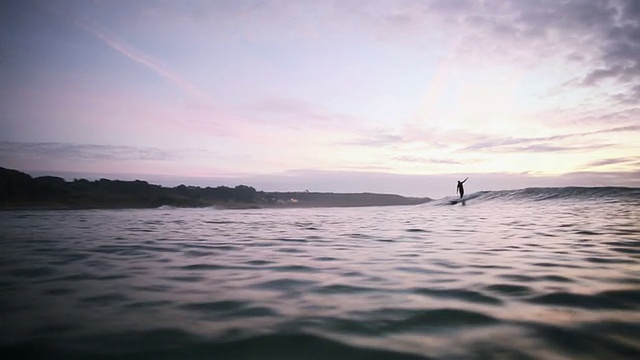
{"points": [[541, 144], [440, 139], [93, 152], [132, 53], [613, 161], [206, 113], [423, 160]]}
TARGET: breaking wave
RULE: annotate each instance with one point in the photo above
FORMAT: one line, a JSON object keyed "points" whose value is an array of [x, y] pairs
{"points": [[606, 194]]}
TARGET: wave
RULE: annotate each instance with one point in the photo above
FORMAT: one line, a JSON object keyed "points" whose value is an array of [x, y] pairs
{"points": [[608, 193], [171, 207], [177, 344]]}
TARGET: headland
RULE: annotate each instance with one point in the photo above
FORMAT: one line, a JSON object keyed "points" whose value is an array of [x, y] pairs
{"points": [[19, 190]]}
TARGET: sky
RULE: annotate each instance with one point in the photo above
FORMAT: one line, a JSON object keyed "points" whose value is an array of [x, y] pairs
{"points": [[401, 97]]}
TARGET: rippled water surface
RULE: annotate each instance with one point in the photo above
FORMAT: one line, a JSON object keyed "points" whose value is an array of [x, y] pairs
{"points": [[549, 279]]}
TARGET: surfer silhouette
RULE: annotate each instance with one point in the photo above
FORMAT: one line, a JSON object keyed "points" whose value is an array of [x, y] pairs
{"points": [[460, 188]]}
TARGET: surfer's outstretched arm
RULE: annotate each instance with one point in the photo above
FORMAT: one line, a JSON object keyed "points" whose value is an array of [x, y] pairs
{"points": [[465, 179]]}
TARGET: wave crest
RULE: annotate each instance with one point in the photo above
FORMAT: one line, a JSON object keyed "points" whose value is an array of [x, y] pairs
{"points": [[608, 193]]}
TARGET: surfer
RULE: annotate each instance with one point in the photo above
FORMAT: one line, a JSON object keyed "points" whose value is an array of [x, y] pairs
{"points": [[460, 188]]}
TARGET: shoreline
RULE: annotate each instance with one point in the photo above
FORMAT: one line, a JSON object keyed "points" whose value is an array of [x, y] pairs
{"points": [[20, 191]]}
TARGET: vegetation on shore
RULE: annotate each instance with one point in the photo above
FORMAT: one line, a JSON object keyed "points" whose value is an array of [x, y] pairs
{"points": [[20, 190]]}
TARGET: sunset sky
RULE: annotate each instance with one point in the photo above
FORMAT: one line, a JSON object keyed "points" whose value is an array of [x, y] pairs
{"points": [[394, 96]]}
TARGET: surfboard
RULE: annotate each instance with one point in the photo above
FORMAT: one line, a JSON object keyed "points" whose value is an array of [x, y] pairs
{"points": [[450, 200], [460, 200]]}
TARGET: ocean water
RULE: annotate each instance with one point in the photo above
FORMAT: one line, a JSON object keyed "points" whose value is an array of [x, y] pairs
{"points": [[529, 274]]}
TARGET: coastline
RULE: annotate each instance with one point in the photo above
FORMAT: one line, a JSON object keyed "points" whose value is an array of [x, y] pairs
{"points": [[20, 191]]}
